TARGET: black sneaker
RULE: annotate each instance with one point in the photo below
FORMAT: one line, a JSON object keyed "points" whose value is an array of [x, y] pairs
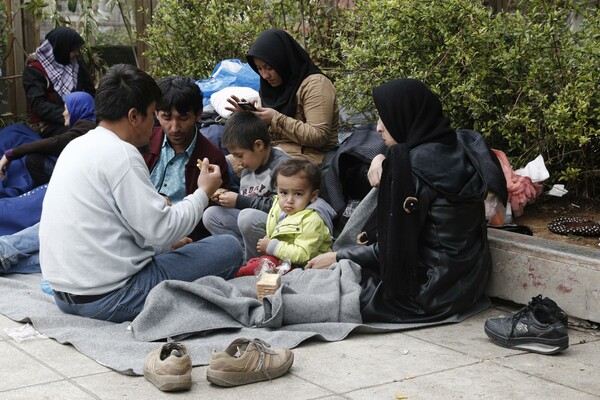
{"points": [[540, 327], [552, 307]]}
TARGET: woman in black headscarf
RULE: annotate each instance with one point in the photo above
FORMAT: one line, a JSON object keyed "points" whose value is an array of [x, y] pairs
{"points": [[51, 73], [298, 101], [431, 259]]}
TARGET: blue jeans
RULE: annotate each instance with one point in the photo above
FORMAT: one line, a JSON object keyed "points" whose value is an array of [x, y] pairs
{"points": [[216, 255], [19, 252]]}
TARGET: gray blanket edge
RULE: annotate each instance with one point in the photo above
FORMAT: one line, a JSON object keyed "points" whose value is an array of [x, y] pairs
{"points": [[116, 347]]}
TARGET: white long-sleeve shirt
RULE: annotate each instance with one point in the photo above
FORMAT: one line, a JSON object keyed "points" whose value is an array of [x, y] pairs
{"points": [[103, 220]]}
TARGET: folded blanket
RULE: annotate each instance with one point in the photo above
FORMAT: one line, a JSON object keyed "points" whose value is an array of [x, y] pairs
{"points": [[175, 308]]}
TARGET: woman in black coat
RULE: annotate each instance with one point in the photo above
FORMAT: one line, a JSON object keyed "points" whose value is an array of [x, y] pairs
{"points": [[431, 258], [51, 73]]}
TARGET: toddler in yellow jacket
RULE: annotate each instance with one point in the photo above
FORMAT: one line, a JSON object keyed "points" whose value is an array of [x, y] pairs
{"points": [[299, 222]]}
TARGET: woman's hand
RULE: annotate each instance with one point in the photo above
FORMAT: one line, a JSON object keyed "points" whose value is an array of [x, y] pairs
{"points": [[266, 115], [375, 170], [322, 261], [233, 100], [235, 106], [4, 163]]}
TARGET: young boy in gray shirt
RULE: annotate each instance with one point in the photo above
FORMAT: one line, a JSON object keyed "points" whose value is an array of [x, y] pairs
{"points": [[244, 214]]}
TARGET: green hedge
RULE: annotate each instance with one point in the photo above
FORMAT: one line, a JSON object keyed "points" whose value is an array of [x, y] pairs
{"points": [[523, 78], [190, 38]]}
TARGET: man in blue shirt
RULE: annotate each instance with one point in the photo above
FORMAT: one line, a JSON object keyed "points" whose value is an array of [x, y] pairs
{"points": [[177, 144]]}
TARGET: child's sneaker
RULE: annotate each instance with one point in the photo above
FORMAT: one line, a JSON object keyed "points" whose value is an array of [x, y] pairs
{"points": [[247, 361], [169, 367], [540, 327]]}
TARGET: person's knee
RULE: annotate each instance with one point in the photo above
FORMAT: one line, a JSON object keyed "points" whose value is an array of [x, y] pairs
{"points": [[251, 219], [209, 218], [231, 247]]}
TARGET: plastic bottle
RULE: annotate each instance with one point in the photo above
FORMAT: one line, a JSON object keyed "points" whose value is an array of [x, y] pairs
{"points": [[46, 287]]}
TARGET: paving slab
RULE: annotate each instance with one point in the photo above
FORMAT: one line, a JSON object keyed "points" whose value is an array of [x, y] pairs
{"points": [[20, 369], [578, 367], [367, 360], [54, 390], [64, 359], [485, 380], [113, 385]]}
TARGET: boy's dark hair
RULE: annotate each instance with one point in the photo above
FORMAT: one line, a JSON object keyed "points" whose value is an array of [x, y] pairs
{"points": [[242, 129], [122, 88], [180, 93], [300, 166]]}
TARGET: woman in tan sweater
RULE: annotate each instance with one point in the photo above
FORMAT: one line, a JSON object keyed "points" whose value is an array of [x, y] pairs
{"points": [[298, 101]]}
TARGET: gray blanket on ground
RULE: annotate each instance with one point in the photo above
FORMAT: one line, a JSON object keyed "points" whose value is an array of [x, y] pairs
{"points": [[322, 305]]}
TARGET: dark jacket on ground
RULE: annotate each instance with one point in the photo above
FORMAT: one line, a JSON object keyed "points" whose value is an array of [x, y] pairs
{"points": [[454, 260], [204, 148], [53, 146]]}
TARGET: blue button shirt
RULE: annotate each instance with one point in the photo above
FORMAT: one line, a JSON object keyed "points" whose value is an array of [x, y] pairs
{"points": [[168, 176]]}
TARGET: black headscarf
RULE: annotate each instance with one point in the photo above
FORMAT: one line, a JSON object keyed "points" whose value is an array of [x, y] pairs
{"points": [[64, 40], [278, 49], [412, 114]]}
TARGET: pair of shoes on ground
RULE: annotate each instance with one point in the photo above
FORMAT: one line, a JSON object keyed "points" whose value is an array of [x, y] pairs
{"points": [[244, 361], [540, 327]]}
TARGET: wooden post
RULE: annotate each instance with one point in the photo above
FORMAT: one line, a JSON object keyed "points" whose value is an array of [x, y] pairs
{"points": [[143, 18], [21, 40]]}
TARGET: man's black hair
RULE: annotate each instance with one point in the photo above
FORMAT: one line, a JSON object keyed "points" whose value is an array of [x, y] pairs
{"points": [[180, 93], [122, 88], [244, 128]]}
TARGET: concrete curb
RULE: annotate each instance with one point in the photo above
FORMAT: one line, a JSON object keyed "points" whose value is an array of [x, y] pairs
{"points": [[525, 266]]}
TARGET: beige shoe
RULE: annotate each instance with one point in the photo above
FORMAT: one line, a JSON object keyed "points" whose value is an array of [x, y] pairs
{"points": [[169, 367], [247, 361]]}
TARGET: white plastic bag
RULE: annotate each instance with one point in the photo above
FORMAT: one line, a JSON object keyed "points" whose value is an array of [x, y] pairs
{"points": [[219, 99], [24, 332]]}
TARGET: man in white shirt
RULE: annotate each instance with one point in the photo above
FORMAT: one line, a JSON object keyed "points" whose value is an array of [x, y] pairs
{"points": [[105, 231]]}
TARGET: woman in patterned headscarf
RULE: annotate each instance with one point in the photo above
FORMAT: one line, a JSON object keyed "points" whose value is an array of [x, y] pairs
{"points": [[298, 101], [431, 258], [52, 72]]}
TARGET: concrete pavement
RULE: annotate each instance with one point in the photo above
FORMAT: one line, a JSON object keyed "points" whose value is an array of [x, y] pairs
{"points": [[447, 362]]}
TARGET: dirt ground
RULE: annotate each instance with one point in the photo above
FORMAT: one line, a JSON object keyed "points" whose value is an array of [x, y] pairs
{"points": [[546, 208]]}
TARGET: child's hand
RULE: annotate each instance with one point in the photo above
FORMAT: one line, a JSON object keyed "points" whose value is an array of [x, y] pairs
{"points": [[215, 196], [227, 199], [262, 245]]}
